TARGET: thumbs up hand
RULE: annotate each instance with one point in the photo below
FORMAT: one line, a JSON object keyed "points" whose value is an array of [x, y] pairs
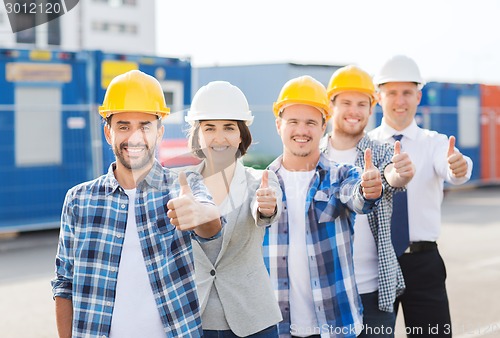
{"points": [[371, 180], [266, 197], [456, 161], [402, 163], [183, 211]]}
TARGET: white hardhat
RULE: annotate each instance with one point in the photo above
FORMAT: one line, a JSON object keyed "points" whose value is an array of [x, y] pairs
{"points": [[399, 68], [219, 100]]}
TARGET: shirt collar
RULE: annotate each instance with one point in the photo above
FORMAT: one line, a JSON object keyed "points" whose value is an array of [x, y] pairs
{"points": [[154, 178], [364, 143], [409, 132], [322, 166]]}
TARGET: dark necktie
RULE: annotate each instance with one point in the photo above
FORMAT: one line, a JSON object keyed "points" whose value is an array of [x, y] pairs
{"points": [[399, 222]]}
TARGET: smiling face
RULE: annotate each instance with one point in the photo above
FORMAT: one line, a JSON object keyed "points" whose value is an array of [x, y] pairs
{"points": [[133, 137], [399, 102], [351, 112], [301, 128], [219, 140]]}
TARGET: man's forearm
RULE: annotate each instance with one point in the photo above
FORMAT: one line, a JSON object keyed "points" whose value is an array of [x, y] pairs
{"points": [[64, 317]]}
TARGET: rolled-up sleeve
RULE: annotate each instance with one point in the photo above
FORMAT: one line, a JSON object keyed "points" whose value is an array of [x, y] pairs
{"points": [[62, 284]]}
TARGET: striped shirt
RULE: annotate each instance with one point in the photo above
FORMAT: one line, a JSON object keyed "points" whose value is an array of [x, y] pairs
{"points": [[390, 277], [93, 222], [333, 198]]}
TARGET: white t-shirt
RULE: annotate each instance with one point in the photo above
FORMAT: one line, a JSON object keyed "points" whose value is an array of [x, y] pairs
{"points": [[135, 313], [365, 251], [302, 313]]}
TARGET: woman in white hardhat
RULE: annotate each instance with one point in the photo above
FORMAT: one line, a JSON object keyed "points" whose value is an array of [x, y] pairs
{"points": [[233, 284]]}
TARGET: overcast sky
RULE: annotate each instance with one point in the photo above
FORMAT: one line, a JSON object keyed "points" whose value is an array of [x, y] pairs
{"points": [[451, 40]]}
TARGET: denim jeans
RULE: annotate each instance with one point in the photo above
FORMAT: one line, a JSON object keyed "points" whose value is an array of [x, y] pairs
{"points": [[376, 323], [270, 332]]}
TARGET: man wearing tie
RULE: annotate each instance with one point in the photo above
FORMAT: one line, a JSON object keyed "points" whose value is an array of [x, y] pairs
{"points": [[414, 235]]}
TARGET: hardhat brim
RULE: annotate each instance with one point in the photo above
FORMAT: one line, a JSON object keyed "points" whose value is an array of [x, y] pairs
{"points": [[208, 117], [105, 113]]}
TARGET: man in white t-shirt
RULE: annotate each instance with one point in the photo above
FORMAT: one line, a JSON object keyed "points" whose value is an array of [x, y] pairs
{"points": [[309, 251], [425, 301], [378, 275]]}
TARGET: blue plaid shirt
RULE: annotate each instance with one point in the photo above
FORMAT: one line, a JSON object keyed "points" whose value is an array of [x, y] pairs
{"points": [[333, 198], [93, 223]]}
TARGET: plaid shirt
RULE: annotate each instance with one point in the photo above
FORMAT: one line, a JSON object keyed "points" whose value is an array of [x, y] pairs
{"points": [[333, 197], [390, 277], [93, 223]]}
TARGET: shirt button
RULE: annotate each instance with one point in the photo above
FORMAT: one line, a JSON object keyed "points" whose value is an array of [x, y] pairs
{"points": [[123, 206], [119, 236], [212, 272], [113, 269], [108, 303]]}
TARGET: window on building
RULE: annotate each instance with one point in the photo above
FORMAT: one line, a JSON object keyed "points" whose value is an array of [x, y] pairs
{"points": [[27, 20], [49, 18], [116, 28], [54, 27], [38, 126], [118, 3]]}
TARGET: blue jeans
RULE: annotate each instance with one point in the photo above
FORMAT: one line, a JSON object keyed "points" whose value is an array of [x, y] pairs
{"points": [[376, 323], [270, 332]]}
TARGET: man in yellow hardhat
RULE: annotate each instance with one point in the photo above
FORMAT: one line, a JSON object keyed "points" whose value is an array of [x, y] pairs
{"points": [[378, 275], [124, 263], [309, 251]]}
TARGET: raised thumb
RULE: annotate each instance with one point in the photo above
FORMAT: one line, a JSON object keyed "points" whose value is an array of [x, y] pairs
{"points": [[397, 148], [451, 146], [265, 179], [368, 159], [185, 189]]}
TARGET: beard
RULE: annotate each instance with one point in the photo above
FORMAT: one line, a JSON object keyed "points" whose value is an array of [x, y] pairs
{"points": [[353, 133], [139, 163], [298, 151], [303, 153]]}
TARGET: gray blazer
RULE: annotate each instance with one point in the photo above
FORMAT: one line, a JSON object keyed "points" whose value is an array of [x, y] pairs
{"points": [[239, 274]]}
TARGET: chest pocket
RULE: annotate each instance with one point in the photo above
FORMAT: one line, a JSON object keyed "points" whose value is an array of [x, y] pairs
{"points": [[326, 206], [173, 243]]}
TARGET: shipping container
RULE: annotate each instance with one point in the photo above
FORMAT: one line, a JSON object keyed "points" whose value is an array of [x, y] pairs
{"points": [[51, 136], [490, 133], [454, 109], [451, 109]]}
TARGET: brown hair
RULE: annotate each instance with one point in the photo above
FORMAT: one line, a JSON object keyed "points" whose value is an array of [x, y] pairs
{"points": [[194, 142]]}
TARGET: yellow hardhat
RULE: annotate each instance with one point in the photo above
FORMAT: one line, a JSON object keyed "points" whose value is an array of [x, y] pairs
{"points": [[351, 78], [134, 91], [303, 90]]}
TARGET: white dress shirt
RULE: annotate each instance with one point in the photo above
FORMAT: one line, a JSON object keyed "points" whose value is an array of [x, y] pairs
{"points": [[428, 150]]}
